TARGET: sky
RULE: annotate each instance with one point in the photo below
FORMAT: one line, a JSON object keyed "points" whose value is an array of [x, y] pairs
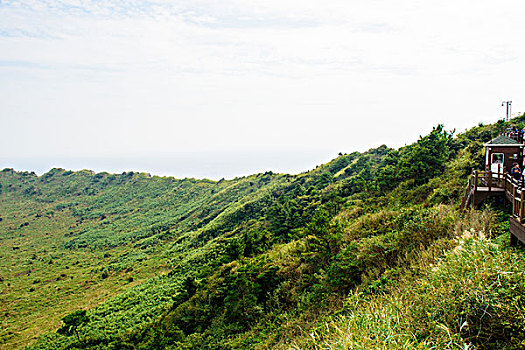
{"points": [[199, 88]]}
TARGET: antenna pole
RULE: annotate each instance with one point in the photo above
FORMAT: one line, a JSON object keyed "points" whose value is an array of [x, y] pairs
{"points": [[509, 108]]}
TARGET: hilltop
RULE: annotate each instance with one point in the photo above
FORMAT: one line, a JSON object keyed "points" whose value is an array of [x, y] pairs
{"points": [[366, 251]]}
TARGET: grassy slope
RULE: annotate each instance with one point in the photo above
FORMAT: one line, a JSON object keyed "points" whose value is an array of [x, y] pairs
{"points": [[471, 297], [252, 247], [76, 239], [463, 291]]}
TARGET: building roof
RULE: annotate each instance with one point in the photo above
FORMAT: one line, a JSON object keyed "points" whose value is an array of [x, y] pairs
{"points": [[503, 140]]}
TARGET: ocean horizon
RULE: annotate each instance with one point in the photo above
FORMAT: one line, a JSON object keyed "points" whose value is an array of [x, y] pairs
{"points": [[199, 165]]}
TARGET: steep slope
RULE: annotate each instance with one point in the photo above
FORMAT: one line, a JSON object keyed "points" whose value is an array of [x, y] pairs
{"points": [[256, 262], [470, 298], [74, 239]]}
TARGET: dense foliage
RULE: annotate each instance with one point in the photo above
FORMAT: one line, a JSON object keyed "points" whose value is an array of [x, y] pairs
{"points": [[132, 261]]}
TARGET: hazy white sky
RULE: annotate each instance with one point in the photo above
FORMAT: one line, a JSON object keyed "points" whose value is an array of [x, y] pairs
{"points": [[86, 79]]}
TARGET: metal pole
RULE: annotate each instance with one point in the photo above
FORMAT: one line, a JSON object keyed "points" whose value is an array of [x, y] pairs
{"points": [[509, 108]]}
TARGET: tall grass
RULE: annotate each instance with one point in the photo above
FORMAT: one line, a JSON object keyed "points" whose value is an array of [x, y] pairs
{"points": [[470, 298]]}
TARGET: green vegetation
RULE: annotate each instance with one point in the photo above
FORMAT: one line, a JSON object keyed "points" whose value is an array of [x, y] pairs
{"points": [[366, 251], [471, 298], [72, 322]]}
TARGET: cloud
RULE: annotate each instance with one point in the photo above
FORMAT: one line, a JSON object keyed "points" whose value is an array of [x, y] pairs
{"points": [[274, 37], [121, 76]]}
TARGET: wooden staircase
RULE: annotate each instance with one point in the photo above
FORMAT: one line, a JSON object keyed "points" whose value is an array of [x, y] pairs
{"points": [[484, 184]]}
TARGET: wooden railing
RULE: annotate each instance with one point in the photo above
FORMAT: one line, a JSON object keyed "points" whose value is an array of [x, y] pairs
{"points": [[515, 192], [488, 181]]}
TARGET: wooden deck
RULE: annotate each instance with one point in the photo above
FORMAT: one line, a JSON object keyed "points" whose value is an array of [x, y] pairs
{"points": [[484, 184]]}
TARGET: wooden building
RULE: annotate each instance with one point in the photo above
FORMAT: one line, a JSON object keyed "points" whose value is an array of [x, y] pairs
{"points": [[502, 153]]}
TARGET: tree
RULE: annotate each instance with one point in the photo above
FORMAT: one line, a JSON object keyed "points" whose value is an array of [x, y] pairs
{"points": [[72, 322], [323, 237], [427, 157]]}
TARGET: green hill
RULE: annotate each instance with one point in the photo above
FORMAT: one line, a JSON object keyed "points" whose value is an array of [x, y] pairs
{"points": [[366, 251]]}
